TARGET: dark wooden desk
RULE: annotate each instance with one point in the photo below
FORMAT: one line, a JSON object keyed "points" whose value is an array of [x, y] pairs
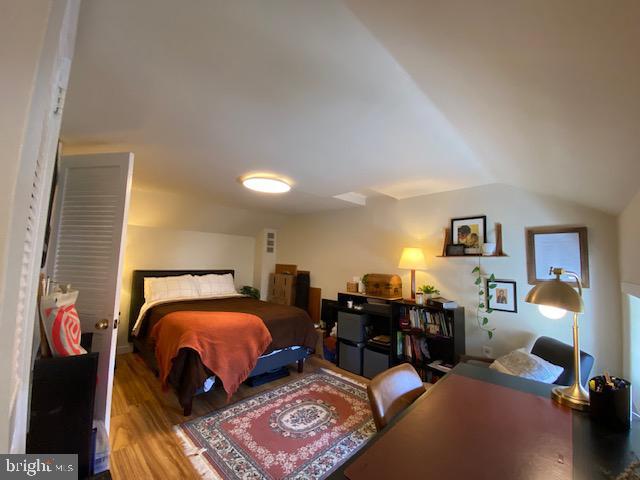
{"points": [[550, 442]]}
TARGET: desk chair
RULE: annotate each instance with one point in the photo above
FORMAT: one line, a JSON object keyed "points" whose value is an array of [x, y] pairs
{"points": [[393, 390]]}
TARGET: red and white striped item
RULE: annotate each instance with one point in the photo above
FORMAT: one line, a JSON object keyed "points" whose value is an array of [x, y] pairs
{"points": [[61, 323]]}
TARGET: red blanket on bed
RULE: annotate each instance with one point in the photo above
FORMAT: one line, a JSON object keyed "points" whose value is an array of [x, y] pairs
{"points": [[229, 343]]}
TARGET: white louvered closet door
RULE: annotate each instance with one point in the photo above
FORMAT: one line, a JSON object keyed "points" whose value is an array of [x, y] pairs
{"points": [[88, 244]]}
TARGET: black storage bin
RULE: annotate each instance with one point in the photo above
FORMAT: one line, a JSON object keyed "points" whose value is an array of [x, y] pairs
{"points": [[62, 401], [351, 326], [374, 362], [350, 356], [610, 406]]}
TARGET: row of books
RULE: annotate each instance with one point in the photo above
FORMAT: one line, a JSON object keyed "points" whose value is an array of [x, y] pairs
{"points": [[412, 347], [434, 323]]}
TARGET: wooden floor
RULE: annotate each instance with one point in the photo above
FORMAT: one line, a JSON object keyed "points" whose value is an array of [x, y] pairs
{"points": [[142, 418]]}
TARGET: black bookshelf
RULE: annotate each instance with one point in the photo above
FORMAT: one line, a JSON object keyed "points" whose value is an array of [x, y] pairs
{"points": [[384, 317], [441, 330], [374, 357]]}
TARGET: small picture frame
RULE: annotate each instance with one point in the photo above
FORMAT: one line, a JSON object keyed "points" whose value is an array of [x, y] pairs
{"points": [[504, 297], [560, 247], [471, 232]]}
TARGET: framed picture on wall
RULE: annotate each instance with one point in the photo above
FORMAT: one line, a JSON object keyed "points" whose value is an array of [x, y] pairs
{"points": [[469, 231], [565, 247], [504, 297]]}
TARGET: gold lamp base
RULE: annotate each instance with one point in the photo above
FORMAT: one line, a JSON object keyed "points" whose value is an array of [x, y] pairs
{"points": [[573, 397]]}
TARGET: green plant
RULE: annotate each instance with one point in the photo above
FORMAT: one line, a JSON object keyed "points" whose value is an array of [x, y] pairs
{"points": [[250, 292], [429, 290], [365, 279], [483, 310]]}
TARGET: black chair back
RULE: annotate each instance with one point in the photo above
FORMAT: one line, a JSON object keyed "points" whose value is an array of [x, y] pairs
{"points": [[561, 354]]}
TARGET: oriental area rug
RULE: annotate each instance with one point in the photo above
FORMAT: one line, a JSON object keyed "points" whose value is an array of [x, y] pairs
{"points": [[303, 429]]}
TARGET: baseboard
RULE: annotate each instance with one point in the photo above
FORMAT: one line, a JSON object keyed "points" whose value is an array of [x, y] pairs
{"points": [[128, 348]]}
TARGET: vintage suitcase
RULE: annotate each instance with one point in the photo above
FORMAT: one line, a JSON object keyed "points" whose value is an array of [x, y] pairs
{"points": [[383, 285]]}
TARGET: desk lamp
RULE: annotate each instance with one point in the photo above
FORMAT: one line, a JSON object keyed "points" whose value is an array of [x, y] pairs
{"points": [[554, 298]]}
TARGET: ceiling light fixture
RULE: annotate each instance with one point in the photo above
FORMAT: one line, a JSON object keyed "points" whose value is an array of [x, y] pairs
{"points": [[266, 184]]}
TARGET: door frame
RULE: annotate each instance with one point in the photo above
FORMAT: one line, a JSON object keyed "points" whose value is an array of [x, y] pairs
{"points": [[25, 236]]}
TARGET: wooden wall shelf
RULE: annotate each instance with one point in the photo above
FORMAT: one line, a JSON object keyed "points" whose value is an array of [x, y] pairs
{"points": [[475, 255], [499, 251]]}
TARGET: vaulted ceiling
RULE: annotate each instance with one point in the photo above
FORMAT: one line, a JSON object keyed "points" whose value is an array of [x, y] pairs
{"points": [[394, 98]]}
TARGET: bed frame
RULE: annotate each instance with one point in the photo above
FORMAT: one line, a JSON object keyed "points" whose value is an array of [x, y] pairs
{"points": [[268, 368]]}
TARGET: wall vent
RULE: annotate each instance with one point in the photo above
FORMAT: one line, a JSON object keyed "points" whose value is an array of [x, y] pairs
{"points": [[270, 242]]}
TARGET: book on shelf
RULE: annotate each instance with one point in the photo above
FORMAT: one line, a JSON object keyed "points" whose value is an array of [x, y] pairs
{"points": [[441, 366], [442, 303], [406, 347], [383, 339], [433, 323], [413, 348], [380, 340]]}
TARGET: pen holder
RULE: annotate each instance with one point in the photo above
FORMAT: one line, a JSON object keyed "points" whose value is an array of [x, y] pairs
{"points": [[610, 404]]}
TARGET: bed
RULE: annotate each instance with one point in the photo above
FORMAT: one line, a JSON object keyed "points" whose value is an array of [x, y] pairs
{"points": [[293, 335]]}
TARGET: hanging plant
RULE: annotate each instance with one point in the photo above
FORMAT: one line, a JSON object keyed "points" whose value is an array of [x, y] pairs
{"points": [[483, 310]]}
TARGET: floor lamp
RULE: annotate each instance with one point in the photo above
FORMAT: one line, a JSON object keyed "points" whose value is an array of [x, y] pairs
{"points": [[554, 298]]}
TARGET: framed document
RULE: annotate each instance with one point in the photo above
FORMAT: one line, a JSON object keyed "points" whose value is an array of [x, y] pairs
{"points": [[565, 247], [504, 296]]}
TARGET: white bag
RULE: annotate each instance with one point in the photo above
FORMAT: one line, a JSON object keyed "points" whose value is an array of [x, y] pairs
{"points": [[61, 323]]}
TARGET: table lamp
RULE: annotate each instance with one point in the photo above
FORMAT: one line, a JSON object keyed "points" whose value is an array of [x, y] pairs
{"points": [[554, 298], [412, 259]]}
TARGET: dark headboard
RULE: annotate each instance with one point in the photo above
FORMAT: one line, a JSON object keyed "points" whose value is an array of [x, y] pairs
{"points": [[137, 287]]}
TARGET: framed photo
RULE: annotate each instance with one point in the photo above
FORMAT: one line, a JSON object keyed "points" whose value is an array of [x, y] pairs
{"points": [[565, 247], [504, 296], [469, 231]]}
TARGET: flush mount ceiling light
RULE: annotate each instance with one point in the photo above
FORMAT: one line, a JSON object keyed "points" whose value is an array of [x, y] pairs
{"points": [[266, 184]]}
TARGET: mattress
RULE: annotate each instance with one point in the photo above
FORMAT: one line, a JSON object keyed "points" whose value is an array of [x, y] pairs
{"points": [[289, 327]]}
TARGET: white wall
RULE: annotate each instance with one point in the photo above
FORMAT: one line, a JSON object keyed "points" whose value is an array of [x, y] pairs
{"points": [[166, 209], [338, 245], [629, 224], [265, 262], [629, 231], [170, 231], [162, 248], [631, 338]]}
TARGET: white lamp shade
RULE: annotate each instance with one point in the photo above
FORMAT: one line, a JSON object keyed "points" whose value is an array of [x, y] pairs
{"points": [[412, 259], [553, 313]]}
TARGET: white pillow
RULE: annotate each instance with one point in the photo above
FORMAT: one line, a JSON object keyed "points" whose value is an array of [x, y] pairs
{"points": [[169, 288], [211, 285], [527, 365]]}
